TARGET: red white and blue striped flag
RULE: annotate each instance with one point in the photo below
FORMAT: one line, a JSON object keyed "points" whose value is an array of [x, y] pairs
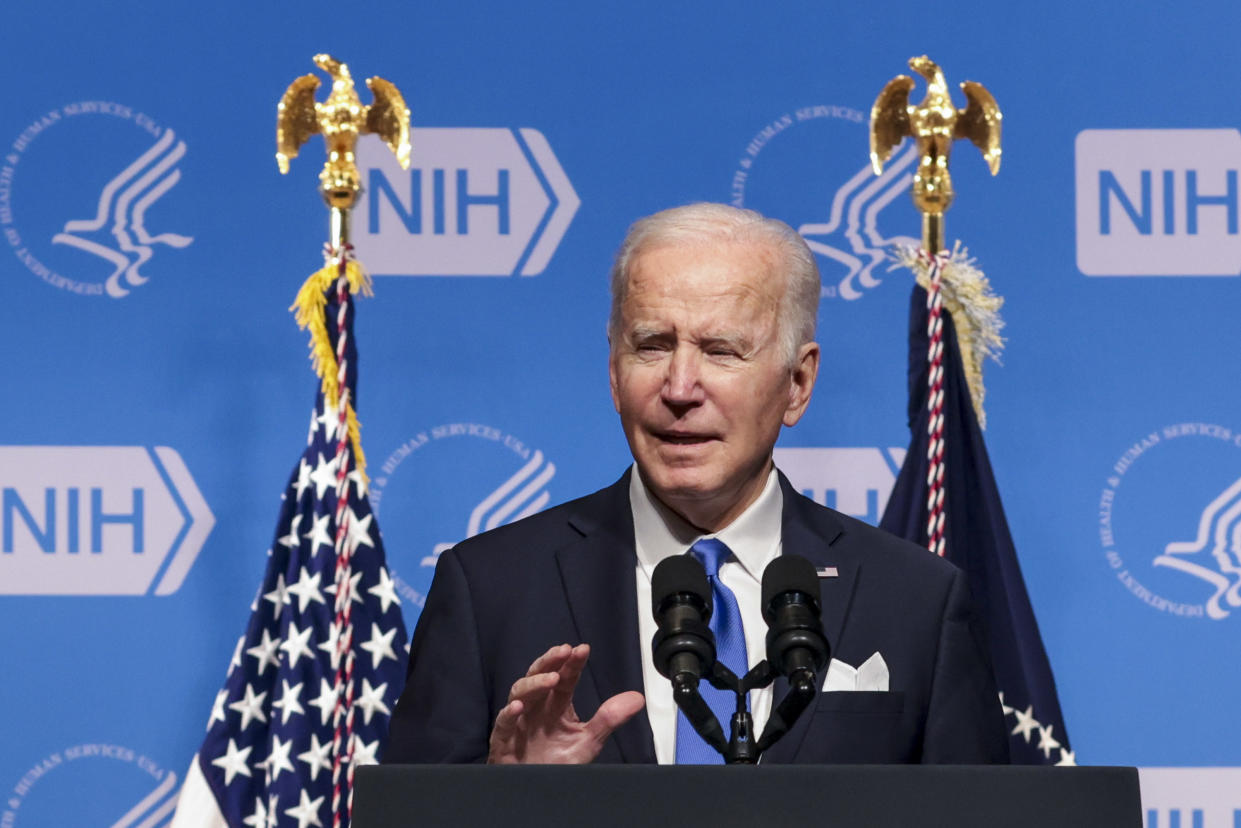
{"points": [[314, 678]]}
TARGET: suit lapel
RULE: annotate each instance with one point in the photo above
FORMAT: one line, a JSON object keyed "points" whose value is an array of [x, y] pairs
{"points": [[598, 571], [810, 531]]}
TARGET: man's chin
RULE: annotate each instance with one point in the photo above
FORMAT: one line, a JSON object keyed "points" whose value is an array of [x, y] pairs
{"points": [[702, 493], [677, 486]]}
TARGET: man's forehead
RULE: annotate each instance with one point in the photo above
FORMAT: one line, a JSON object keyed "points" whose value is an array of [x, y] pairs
{"points": [[698, 268], [737, 315], [708, 246]]}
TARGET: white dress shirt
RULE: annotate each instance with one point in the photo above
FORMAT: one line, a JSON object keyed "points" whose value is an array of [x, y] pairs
{"points": [[754, 538]]}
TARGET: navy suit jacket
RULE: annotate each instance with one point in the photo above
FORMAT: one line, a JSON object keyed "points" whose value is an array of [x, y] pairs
{"points": [[501, 599]]}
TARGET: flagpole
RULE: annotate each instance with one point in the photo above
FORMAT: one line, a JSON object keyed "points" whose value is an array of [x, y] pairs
{"points": [[338, 227], [933, 232]]}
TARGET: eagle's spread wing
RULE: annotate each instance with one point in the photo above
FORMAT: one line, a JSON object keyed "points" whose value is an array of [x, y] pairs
{"points": [[295, 119], [388, 117], [889, 120], [980, 122]]}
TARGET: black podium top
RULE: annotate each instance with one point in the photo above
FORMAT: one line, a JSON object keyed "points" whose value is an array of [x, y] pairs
{"points": [[960, 796]]}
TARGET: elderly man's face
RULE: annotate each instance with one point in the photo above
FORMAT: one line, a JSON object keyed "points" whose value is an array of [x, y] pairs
{"points": [[699, 376]]}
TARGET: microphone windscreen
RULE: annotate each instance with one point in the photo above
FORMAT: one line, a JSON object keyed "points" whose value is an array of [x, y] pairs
{"points": [[679, 574], [790, 573]]}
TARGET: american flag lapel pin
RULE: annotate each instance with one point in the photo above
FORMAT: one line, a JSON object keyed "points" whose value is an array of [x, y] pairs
{"points": [[826, 572]]}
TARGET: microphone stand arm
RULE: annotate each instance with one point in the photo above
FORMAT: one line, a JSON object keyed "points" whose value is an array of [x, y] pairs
{"points": [[691, 703], [741, 748], [802, 690]]}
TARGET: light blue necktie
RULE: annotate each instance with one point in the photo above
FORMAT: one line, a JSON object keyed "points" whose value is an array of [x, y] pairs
{"points": [[729, 649]]}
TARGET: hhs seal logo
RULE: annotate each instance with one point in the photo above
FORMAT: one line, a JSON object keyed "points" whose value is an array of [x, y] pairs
{"points": [[1177, 547], [92, 784], [465, 478], [75, 189], [837, 203]]}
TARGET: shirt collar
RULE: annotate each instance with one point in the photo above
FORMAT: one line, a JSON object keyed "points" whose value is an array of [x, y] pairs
{"points": [[754, 537]]}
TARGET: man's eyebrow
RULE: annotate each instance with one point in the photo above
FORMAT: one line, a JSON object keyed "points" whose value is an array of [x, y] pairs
{"points": [[733, 339], [640, 333], [736, 341]]}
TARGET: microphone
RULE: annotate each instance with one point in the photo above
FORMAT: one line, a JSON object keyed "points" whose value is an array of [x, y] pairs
{"points": [[795, 641], [796, 646], [683, 648], [681, 602]]}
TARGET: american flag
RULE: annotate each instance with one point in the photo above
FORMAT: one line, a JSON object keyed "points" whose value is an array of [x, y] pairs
{"points": [[309, 668]]}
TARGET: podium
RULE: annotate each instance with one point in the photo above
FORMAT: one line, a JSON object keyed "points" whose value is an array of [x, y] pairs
{"points": [[854, 796]]}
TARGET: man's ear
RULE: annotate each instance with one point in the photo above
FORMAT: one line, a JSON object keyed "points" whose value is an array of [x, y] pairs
{"points": [[801, 382], [612, 376]]}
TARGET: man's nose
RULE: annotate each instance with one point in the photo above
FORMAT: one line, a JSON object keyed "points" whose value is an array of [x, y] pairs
{"points": [[683, 383]]}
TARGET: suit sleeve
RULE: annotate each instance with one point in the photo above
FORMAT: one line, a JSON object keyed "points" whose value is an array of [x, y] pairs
{"points": [[965, 724], [443, 713]]}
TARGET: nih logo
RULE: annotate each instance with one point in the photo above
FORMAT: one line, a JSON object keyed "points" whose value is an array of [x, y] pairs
{"points": [[1208, 797], [97, 520], [475, 202], [1158, 202], [855, 481]]}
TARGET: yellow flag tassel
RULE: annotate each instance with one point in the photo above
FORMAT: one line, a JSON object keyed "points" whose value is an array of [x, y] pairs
{"points": [[309, 311], [975, 310]]}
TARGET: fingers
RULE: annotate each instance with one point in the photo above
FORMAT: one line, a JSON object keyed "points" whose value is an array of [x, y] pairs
{"points": [[507, 726], [526, 699], [615, 712], [539, 724], [550, 661], [541, 677], [561, 696], [507, 744], [553, 676], [533, 689]]}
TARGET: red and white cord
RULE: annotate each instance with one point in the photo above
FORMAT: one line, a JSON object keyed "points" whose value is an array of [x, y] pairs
{"points": [[342, 712], [935, 405]]}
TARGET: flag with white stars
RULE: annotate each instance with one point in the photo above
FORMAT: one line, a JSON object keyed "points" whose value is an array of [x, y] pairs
{"points": [[278, 750], [978, 541]]}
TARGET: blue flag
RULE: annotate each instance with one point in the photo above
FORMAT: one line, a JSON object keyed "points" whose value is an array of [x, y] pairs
{"points": [[978, 541], [298, 711]]}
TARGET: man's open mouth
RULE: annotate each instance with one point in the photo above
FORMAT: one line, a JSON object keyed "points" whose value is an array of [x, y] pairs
{"points": [[683, 438]]}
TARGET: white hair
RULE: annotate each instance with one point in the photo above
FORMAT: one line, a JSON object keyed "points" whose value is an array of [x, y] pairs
{"points": [[706, 222]]}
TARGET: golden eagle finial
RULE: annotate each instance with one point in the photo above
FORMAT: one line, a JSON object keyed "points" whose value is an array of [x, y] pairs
{"points": [[934, 124], [341, 118]]}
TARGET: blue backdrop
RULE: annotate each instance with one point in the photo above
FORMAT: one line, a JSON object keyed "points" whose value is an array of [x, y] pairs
{"points": [[159, 388]]}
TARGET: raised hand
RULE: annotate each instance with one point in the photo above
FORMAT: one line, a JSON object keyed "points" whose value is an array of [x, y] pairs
{"points": [[539, 724]]}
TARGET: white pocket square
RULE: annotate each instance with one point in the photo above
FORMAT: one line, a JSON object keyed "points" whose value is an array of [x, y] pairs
{"points": [[871, 676]]}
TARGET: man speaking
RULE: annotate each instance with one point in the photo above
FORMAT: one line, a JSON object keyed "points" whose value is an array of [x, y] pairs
{"points": [[712, 351]]}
